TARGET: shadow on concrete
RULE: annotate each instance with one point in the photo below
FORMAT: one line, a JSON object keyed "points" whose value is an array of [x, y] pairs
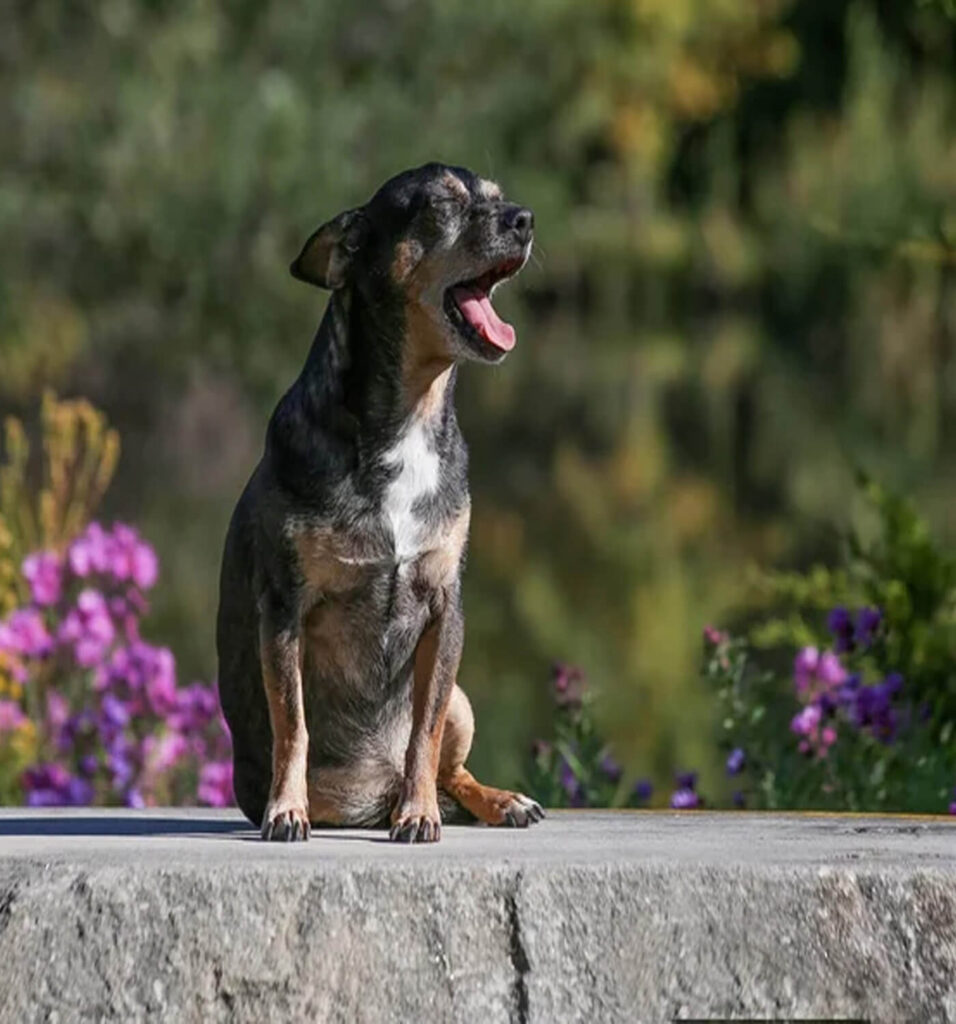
{"points": [[122, 825]]}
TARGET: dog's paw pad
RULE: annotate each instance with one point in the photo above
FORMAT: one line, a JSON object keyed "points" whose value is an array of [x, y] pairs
{"points": [[286, 826]]}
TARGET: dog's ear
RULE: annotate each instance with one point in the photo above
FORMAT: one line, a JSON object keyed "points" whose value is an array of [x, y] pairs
{"points": [[326, 256]]}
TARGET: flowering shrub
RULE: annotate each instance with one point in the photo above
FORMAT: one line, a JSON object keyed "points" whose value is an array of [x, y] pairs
{"points": [[92, 712], [865, 719], [577, 768], [855, 708]]}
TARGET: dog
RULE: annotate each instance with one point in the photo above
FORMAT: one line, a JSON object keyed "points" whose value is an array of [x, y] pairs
{"points": [[340, 624]]}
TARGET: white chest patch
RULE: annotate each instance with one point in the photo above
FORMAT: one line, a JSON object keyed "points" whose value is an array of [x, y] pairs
{"points": [[417, 476]]}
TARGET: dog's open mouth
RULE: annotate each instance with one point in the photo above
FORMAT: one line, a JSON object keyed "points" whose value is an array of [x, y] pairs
{"points": [[468, 305]]}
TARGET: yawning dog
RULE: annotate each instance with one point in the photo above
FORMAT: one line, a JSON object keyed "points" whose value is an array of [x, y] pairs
{"points": [[340, 623]]}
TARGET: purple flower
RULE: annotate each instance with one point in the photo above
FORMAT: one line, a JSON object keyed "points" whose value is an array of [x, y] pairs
{"points": [[24, 633], [805, 667], [144, 566], [805, 722], [687, 780], [868, 622], [162, 753], [120, 554], [57, 711], [686, 795], [120, 762], [815, 672], [830, 670], [51, 785], [43, 570], [871, 707], [643, 789], [145, 673], [571, 784], [79, 792], [132, 558], [215, 784], [840, 624], [196, 706], [89, 553], [611, 769], [735, 761], [952, 807], [133, 798], [113, 713], [684, 799], [88, 628], [11, 716], [739, 798]]}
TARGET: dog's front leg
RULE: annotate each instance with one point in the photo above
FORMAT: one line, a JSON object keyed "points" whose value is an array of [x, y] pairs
{"points": [[415, 818], [287, 812]]}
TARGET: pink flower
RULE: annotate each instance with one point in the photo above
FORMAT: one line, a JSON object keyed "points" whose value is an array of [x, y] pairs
{"points": [[43, 570], [714, 636], [830, 670], [89, 553], [24, 633], [806, 722], [120, 553], [11, 716], [132, 558], [805, 667], [88, 628], [144, 566], [815, 672], [57, 710], [215, 784], [164, 752], [807, 725]]}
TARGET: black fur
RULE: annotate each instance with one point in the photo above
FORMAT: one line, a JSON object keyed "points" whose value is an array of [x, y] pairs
{"points": [[324, 480]]}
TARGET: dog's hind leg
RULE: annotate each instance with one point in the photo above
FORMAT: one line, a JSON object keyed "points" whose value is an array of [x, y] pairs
{"points": [[487, 804]]}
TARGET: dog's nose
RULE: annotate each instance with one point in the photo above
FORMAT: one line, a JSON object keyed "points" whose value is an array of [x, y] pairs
{"points": [[520, 220]]}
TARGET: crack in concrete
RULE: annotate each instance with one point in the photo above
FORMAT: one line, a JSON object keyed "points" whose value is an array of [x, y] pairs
{"points": [[518, 953]]}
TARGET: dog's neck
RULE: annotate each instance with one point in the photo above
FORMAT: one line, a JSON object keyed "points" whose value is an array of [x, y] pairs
{"points": [[361, 364]]}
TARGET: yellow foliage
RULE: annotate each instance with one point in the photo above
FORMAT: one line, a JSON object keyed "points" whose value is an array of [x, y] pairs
{"points": [[79, 455]]}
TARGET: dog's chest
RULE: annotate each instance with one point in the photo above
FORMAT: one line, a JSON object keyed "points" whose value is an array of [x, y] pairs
{"points": [[414, 468]]}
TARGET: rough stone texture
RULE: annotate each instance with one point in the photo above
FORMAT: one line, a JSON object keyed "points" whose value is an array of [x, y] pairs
{"points": [[627, 916]]}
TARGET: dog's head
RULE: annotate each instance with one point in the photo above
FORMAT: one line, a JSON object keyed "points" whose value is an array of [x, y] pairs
{"points": [[438, 240]]}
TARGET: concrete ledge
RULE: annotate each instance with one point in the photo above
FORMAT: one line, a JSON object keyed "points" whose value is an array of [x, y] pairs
{"points": [[629, 916]]}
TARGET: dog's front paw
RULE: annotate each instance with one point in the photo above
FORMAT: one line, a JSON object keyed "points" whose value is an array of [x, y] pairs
{"points": [[520, 811], [416, 820], [504, 808], [286, 821]]}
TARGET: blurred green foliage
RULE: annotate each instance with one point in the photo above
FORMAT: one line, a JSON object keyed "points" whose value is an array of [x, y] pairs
{"points": [[905, 758], [745, 272]]}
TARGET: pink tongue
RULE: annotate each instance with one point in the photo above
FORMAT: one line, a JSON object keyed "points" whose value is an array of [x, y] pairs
{"points": [[477, 309]]}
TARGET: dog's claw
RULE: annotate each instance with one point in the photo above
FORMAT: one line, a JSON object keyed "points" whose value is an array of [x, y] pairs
{"points": [[415, 830], [285, 826], [522, 812]]}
